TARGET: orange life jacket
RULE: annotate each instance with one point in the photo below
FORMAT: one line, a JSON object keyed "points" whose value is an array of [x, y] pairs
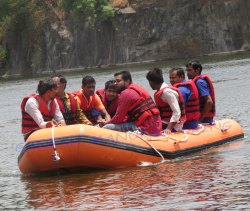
{"points": [[68, 115], [193, 104], [206, 77], [165, 109], [87, 107], [28, 124], [110, 106], [143, 108]]}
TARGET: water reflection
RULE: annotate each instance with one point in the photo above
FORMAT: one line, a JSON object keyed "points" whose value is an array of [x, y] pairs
{"points": [[217, 179], [199, 182]]}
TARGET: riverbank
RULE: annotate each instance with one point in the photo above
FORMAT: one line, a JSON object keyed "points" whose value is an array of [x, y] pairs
{"points": [[149, 30], [224, 56]]}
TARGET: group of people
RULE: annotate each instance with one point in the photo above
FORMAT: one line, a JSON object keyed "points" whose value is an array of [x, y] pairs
{"points": [[123, 105]]}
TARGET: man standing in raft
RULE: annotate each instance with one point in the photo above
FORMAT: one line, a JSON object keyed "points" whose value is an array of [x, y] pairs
{"points": [[190, 96], [68, 103], [41, 110], [206, 91], [169, 101], [136, 109]]}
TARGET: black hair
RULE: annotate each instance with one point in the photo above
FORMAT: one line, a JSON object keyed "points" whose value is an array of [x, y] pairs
{"points": [[125, 75], [88, 80], [46, 85], [110, 84], [195, 65], [179, 71], [155, 75], [62, 79]]}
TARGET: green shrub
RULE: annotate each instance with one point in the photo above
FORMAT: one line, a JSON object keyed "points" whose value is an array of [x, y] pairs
{"points": [[89, 12]]}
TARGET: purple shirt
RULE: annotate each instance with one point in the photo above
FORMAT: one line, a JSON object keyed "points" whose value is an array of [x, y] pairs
{"points": [[203, 87], [204, 90]]}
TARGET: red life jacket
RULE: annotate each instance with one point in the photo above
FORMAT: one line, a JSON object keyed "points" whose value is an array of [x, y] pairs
{"points": [[143, 108], [68, 115], [165, 109], [212, 112], [110, 106], [193, 104], [87, 107], [28, 124]]}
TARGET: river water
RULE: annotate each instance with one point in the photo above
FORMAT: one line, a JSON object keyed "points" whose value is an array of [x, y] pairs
{"points": [[214, 179]]}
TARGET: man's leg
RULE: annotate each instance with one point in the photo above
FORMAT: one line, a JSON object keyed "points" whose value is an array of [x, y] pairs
{"points": [[126, 126]]}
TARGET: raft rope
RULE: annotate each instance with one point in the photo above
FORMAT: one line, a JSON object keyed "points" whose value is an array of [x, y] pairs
{"points": [[175, 139], [186, 132], [139, 135], [196, 132], [56, 154], [164, 136]]}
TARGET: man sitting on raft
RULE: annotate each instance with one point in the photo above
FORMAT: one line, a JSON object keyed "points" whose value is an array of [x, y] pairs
{"points": [[190, 96], [169, 101], [41, 110], [136, 110]]}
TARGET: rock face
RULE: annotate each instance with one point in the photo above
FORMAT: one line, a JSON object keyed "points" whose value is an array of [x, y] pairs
{"points": [[119, 3], [149, 30]]}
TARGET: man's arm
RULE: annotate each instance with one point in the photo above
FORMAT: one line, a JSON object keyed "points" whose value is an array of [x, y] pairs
{"points": [[31, 108], [80, 116], [207, 107], [204, 93], [105, 114], [58, 115], [170, 98], [126, 99], [100, 107]]}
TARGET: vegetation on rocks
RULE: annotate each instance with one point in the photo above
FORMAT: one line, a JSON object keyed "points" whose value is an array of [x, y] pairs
{"points": [[22, 24]]}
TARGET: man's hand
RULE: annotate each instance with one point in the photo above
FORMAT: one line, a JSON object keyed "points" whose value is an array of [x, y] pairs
{"points": [[167, 131], [101, 122], [51, 123]]}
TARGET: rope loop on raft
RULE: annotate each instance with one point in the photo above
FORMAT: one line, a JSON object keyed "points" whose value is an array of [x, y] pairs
{"points": [[137, 133], [56, 154], [197, 131], [175, 139]]}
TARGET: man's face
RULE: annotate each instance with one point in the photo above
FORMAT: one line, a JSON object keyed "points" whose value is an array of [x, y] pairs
{"points": [[120, 84], [60, 86], [152, 85], [191, 73], [110, 94], [89, 89], [52, 93], [174, 78]]}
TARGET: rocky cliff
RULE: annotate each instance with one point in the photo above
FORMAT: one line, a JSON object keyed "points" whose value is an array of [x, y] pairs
{"points": [[145, 30]]}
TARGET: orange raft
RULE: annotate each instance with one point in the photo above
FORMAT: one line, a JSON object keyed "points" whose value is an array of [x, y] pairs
{"points": [[83, 146]]}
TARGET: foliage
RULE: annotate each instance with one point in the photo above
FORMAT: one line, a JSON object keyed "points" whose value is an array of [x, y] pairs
{"points": [[25, 21], [2, 54], [90, 12], [13, 11]]}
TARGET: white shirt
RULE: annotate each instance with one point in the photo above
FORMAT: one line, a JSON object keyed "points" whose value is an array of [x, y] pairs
{"points": [[32, 108], [171, 97]]}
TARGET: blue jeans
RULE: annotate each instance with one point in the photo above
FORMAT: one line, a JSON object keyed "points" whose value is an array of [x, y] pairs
{"points": [[208, 120], [126, 126], [191, 124]]}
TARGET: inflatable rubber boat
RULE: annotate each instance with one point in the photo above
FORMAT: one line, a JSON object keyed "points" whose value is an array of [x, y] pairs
{"points": [[83, 146]]}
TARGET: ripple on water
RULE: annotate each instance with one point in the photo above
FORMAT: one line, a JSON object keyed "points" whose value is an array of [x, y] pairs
{"points": [[214, 179]]}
